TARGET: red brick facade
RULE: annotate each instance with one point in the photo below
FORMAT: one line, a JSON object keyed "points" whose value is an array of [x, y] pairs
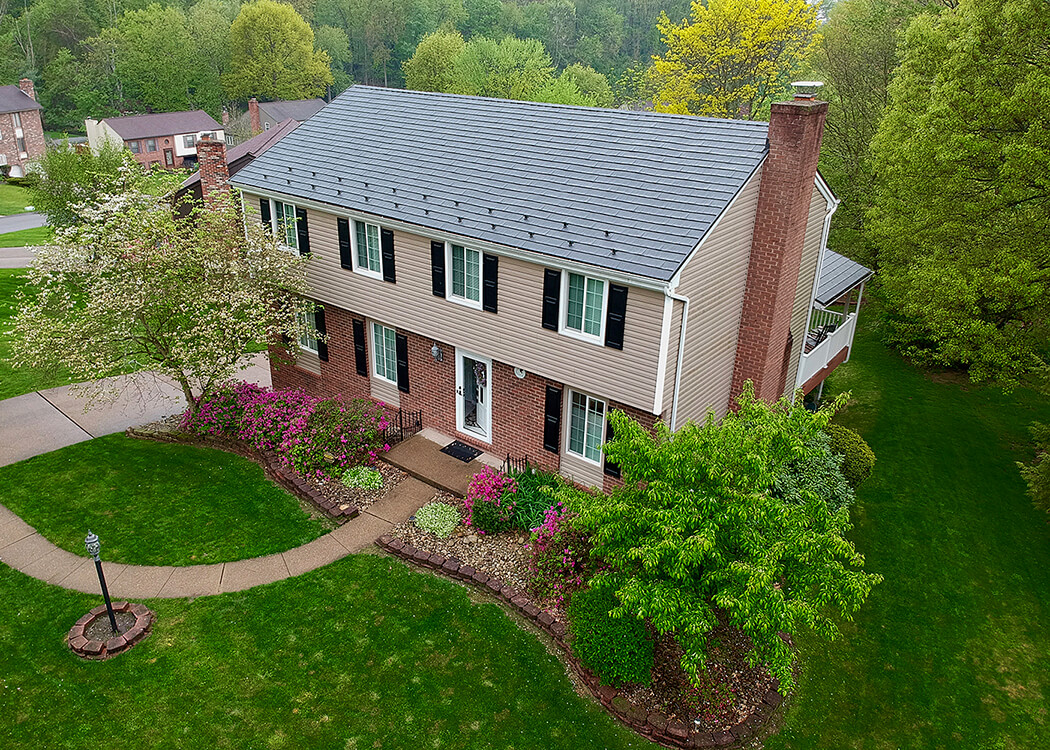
{"points": [[214, 171], [32, 129], [795, 132], [517, 403]]}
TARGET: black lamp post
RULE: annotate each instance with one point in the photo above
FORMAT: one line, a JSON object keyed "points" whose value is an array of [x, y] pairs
{"points": [[93, 547]]}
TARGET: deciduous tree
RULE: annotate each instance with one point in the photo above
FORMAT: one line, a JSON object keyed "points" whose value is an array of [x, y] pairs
{"points": [[734, 57], [430, 67], [134, 287], [697, 534], [273, 55]]}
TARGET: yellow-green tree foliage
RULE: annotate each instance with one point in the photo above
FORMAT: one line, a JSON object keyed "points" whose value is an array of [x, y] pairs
{"points": [[733, 57], [273, 55]]}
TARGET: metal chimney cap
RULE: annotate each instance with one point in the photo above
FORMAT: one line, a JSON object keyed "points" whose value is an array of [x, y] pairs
{"points": [[806, 89]]}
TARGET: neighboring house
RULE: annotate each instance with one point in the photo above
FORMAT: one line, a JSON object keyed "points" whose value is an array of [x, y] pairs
{"points": [[165, 139], [232, 161], [264, 116], [21, 129], [515, 271]]}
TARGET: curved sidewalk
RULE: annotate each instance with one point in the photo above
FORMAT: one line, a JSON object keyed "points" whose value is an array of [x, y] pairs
{"points": [[24, 549]]}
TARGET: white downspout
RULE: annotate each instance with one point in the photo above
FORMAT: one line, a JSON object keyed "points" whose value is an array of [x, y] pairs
{"points": [[681, 357], [813, 294]]}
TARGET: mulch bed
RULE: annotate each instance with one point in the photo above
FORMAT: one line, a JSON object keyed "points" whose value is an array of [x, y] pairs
{"points": [[733, 689]]}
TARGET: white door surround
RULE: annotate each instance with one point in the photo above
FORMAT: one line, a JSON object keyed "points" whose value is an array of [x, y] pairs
{"points": [[474, 395]]}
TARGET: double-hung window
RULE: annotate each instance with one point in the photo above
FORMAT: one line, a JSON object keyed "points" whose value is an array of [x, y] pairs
{"points": [[134, 147], [189, 141], [17, 118], [286, 227], [151, 145], [307, 342], [584, 305], [367, 257], [586, 426], [465, 272], [384, 352]]}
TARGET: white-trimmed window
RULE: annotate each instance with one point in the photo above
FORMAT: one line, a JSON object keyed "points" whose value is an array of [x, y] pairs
{"points": [[307, 342], [384, 352], [586, 426], [464, 271], [189, 141], [16, 117], [134, 147], [367, 256], [584, 311], [284, 216], [151, 145]]}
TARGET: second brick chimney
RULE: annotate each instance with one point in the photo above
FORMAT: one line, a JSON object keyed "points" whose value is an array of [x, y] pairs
{"points": [[764, 344], [214, 171], [253, 116], [27, 88]]}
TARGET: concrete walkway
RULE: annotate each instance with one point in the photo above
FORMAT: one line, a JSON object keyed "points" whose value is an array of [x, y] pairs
{"points": [[17, 257], [20, 221], [421, 457], [24, 549]]}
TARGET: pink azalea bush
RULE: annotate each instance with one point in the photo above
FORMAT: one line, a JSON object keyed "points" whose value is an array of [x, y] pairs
{"points": [[317, 437], [490, 501], [560, 563]]}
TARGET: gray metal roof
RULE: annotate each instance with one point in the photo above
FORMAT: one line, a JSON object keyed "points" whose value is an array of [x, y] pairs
{"points": [[13, 99], [627, 191], [133, 127], [301, 109], [838, 274]]}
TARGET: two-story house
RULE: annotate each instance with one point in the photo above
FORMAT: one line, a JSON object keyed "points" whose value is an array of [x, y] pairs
{"points": [[165, 139], [516, 270], [21, 129]]}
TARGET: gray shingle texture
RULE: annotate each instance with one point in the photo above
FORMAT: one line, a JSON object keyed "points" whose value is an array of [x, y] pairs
{"points": [[838, 274], [13, 99], [133, 127], [627, 191]]}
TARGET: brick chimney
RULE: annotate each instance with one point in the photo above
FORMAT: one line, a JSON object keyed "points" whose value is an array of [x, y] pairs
{"points": [[225, 117], [214, 171], [27, 88], [764, 344], [253, 115]]}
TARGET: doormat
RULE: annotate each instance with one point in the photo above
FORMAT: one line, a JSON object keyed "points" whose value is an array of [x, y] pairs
{"points": [[462, 451]]}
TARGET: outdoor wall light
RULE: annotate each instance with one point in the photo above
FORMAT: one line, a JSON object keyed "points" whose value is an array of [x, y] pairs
{"points": [[436, 353]]}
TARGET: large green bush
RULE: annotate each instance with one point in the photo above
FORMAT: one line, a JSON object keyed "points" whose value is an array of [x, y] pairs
{"points": [[820, 473], [617, 649], [1037, 474], [858, 459]]}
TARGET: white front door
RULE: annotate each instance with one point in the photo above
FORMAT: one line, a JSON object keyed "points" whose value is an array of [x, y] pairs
{"points": [[474, 395]]}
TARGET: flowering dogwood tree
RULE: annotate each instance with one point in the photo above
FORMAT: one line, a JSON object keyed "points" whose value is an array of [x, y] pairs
{"points": [[134, 287]]}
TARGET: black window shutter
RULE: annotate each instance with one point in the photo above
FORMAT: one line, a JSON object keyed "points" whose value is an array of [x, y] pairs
{"points": [[345, 254], [437, 267], [360, 352], [489, 282], [322, 347], [551, 298], [552, 420], [303, 230], [611, 469], [614, 316], [401, 347], [264, 212], [386, 242]]}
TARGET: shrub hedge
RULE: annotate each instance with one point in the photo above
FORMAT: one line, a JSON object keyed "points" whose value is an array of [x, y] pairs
{"points": [[619, 650], [858, 457]]}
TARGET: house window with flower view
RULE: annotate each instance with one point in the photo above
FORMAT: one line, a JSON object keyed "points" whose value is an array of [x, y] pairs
{"points": [[384, 352], [306, 341], [284, 214], [586, 426]]}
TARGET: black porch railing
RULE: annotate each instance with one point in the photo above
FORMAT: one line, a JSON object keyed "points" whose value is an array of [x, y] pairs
{"points": [[516, 465], [401, 424]]}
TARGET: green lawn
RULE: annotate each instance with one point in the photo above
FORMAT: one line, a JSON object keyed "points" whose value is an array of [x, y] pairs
{"points": [[16, 381], [361, 654], [155, 503], [26, 237], [13, 200], [953, 649]]}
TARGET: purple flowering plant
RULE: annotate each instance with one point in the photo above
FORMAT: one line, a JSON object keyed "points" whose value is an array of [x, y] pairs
{"points": [[560, 562], [490, 501]]}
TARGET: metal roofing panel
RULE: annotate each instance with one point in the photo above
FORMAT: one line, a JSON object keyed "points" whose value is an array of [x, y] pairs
{"points": [[838, 274], [631, 191]]}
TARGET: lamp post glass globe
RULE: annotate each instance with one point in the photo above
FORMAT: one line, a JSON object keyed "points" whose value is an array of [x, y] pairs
{"points": [[92, 545]]}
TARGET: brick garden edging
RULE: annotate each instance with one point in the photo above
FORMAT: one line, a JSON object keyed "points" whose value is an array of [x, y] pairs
{"points": [[275, 470], [90, 649], [652, 725]]}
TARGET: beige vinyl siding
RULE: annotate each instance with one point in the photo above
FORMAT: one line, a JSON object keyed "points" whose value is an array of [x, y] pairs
{"points": [[380, 388], [308, 361], [672, 358], [714, 281], [807, 272], [514, 336]]}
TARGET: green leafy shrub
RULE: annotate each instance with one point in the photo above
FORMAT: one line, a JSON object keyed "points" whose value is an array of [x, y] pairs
{"points": [[858, 457], [363, 477], [820, 472], [534, 496], [617, 649], [437, 518], [1037, 474]]}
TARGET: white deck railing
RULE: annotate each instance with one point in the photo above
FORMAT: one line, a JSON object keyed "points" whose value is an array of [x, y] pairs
{"points": [[817, 359]]}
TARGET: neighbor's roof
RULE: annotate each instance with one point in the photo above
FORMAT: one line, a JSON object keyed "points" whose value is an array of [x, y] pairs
{"points": [[251, 147], [163, 123], [626, 191], [300, 110], [13, 99], [838, 274]]}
